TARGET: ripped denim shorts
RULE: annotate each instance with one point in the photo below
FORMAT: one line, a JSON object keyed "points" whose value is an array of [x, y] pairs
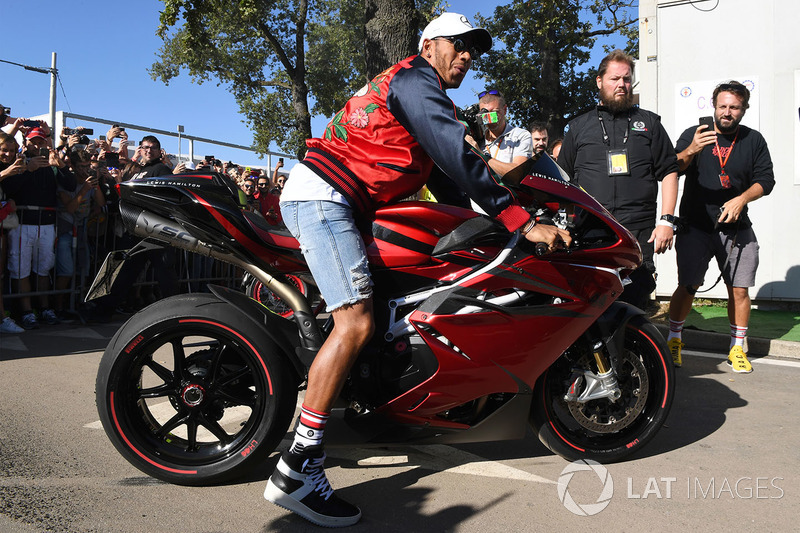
{"points": [[333, 249]]}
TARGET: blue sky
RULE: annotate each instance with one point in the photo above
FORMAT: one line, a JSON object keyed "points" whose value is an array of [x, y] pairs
{"points": [[103, 52]]}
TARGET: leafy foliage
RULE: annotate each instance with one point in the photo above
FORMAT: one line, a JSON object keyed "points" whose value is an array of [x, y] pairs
{"points": [[281, 59], [540, 48]]}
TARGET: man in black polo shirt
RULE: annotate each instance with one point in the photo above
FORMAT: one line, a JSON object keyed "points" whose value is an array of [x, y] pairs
{"points": [[618, 153], [726, 168], [153, 165]]}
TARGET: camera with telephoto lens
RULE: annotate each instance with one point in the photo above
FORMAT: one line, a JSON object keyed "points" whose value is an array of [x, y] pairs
{"points": [[472, 116]]}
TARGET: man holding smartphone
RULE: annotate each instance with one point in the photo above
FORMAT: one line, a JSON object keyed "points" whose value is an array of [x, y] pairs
{"points": [[31, 244], [727, 166]]}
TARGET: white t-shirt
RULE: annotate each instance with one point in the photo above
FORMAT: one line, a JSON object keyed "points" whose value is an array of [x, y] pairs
{"points": [[513, 142], [303, 184]]}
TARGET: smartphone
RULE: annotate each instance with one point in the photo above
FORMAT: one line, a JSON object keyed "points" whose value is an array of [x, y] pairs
{"points": [[280, 160], [102, 137], [707, 121], [210, 159], [31, 123]]}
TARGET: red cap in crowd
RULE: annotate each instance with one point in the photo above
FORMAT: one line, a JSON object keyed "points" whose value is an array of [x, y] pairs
{"points": [[36, 132]]}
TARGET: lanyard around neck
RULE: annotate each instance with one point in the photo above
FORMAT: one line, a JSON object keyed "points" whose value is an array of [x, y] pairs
{"points": [[723, 162], [605, 133]]}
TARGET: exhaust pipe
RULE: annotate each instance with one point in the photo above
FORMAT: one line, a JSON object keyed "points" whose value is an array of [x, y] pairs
{"points": [[151, 226]]}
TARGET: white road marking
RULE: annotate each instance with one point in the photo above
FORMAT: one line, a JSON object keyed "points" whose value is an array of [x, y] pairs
{"points": [[436, 457], [754, 360]]}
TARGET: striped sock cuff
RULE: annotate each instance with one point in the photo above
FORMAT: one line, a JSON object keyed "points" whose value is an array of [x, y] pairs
{"points": [[313, 419], [676, 326], [738, 334]]}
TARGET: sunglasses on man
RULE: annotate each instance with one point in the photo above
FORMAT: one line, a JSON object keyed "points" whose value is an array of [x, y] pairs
{"points": [[460, 46]]}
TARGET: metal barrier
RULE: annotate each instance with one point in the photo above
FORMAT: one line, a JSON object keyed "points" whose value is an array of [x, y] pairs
{"points": [[88, 241]]}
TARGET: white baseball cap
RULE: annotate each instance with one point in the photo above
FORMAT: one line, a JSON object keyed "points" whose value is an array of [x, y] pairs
{"points": [[453, 25]]}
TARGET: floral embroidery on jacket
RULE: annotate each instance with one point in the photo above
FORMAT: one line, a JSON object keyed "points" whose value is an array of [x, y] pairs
{"points": [[358, 118]]}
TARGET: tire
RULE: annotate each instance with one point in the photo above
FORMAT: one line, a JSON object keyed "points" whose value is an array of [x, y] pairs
{"points": [[272, 301], [192, 392], [565, 427]]}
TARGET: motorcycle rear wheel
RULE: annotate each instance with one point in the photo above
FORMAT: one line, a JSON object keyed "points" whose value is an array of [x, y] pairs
{"points": [[192, 392], [579, 437]]}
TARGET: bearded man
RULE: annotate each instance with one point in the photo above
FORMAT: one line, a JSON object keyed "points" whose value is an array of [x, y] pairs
{"points": [[618, 153], [727, 166], [381, 147]]}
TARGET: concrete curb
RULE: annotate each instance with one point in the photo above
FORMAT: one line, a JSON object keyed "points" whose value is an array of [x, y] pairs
{"points": [[696, 339]]}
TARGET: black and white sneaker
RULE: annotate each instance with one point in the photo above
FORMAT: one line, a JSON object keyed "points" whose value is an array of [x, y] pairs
{"points": [[299, 484]]}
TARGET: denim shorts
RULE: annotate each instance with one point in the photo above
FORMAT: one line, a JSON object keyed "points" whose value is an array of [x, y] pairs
{"points": [[333, 249]]}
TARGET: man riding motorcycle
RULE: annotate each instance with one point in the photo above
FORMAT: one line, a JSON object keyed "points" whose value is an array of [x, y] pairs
{"points": [[380, 148]]}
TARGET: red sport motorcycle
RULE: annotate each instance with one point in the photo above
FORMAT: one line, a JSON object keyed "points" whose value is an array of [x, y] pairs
{"points": [[479, 333]]}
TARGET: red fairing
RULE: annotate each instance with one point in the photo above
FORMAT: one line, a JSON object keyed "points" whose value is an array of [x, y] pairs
{"points": [[405, 234]]}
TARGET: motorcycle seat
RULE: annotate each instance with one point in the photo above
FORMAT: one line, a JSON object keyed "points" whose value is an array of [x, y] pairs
{"points": [[270, 235]]}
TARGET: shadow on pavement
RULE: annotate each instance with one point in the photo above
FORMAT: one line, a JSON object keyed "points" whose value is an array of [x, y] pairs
{"points": [[698, 409], [62, 339]]}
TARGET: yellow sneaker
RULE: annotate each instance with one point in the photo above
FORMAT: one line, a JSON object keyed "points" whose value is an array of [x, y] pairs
{"points": [[738, 360], [675, 345]]}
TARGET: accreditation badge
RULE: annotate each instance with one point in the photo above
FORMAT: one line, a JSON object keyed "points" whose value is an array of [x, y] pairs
{"points": [[618, 162]]}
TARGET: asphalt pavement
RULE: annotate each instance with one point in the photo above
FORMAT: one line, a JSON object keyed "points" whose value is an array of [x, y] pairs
{"points": [[725, 460]]}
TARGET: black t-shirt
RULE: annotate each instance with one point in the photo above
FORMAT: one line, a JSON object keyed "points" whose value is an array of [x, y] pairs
{"points": [[38, 189], [153, 170], [749, 162], [584, 156]]}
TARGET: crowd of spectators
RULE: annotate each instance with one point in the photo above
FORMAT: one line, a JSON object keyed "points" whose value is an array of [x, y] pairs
{"points": [[59, 219]]}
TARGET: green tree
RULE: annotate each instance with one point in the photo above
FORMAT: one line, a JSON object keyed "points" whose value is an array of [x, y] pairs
{"points": [[283, 60], [540, 48]]}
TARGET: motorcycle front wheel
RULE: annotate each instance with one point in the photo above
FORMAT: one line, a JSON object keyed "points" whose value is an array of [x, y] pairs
{"points": [[193, 392], [606, 430]]}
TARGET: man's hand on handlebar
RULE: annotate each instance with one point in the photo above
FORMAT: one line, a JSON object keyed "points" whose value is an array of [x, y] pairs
{"points": [[552, 237]]}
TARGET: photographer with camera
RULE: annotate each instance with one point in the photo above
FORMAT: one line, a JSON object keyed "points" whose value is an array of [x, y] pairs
{"points": [[506, 146], [33, 241], [727, 166], [74, 139]]}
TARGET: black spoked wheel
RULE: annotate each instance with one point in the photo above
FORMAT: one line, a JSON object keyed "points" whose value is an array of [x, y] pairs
{"points": [[604, 429], [193, 392]]}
